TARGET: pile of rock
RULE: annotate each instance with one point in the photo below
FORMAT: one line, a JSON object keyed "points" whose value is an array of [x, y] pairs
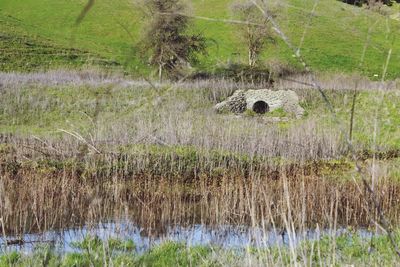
{"points": [[262, 101]]}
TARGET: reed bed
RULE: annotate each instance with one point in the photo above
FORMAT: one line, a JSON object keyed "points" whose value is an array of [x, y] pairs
{"points": [[46, 190]]}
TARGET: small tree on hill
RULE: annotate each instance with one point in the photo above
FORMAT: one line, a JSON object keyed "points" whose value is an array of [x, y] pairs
{"points": [[171, 48], [256, 33]]}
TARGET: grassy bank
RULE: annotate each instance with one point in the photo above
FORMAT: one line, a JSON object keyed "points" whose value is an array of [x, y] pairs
{"points": [[334, 39]]}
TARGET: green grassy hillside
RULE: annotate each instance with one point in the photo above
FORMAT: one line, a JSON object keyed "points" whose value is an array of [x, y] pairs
{"points": [[334, 40], [23, 51]]}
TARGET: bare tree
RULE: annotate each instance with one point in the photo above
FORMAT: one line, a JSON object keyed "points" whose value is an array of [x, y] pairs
{"points": [[256, 32], [166, 38]]}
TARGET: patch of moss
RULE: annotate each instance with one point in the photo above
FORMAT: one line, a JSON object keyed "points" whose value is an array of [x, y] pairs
{"points": [[279, 112]]}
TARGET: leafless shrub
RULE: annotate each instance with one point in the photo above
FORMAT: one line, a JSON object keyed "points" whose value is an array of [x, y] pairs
{"points": [[256, 33]]}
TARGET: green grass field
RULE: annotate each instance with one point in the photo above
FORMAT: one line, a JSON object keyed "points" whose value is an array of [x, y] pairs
{"points": [[334, 38]]}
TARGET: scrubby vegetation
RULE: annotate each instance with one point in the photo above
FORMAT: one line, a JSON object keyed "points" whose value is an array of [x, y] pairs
{"points": [[169, 46], [178, 114]]}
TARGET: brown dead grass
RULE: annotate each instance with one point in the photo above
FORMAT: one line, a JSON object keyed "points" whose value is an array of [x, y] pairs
{"points": [[45, 192]]}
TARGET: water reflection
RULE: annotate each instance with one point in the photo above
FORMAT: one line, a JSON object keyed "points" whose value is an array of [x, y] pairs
{"points": [[224, 236]]}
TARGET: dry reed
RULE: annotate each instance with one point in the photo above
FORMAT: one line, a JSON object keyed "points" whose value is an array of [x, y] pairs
{"points": [[45, 190]]}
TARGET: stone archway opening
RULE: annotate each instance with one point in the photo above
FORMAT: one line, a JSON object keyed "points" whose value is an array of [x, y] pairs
{"points": [[260, 107]]}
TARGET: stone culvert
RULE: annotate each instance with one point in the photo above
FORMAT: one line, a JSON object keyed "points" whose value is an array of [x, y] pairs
{"points": [[262, 101]]}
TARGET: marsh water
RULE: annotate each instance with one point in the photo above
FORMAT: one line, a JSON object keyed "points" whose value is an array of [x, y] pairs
{"points": [[222, 236], [60, 202], [236, 215]]}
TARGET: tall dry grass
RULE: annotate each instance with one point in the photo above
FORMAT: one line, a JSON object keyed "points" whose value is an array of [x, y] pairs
{"points": [[168, 115], [46, 190]]}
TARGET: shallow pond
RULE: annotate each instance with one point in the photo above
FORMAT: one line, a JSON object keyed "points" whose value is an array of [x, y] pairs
{"points": [[224, 236]]}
